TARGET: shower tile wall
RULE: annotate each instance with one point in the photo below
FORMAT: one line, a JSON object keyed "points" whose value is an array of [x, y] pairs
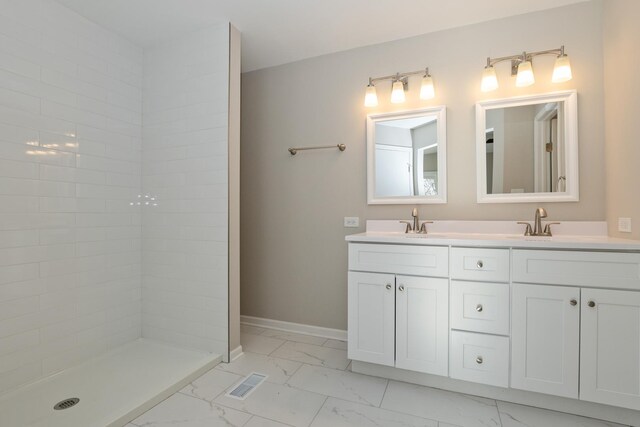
{"points": [[185, 172], [70, 162]]}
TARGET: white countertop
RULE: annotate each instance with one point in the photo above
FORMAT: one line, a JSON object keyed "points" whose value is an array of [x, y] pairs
{"points": [[568, 235]]}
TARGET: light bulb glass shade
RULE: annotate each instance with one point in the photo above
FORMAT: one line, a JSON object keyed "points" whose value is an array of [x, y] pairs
{"points": [[525, 74], [426, 90], [397, 93], [562, 70], [489, 79], [371, 97]]}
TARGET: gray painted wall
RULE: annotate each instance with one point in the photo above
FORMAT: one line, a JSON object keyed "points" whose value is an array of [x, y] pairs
{"points": [[621, 40], [293, 253]]}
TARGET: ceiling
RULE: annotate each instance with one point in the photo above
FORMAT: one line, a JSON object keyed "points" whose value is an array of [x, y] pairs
{"points": [[275, 32]]}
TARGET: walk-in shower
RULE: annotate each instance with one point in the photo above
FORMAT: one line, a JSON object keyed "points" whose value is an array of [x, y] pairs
{"points": [[114, 214]]}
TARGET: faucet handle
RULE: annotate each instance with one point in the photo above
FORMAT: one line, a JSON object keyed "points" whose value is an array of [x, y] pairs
{"points": [[528, 231], [547, 228], [423, 227], [408, 227]]}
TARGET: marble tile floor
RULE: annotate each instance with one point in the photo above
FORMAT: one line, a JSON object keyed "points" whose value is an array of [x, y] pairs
{"points": [[309, 384]]}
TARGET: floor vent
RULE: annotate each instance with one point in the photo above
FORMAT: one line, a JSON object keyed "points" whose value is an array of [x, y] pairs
{"points": [[247, 386], [66, 404]]}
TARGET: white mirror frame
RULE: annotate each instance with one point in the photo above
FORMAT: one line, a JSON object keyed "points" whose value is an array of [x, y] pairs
{"points": [[570, 110], [372, 119]]}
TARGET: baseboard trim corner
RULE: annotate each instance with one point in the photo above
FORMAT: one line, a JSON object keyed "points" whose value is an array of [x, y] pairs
{"points": [[298, 328], [235, 353]]}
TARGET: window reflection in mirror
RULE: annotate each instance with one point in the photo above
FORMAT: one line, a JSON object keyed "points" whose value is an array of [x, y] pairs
{"points": [[407, 157], [525, 149]]}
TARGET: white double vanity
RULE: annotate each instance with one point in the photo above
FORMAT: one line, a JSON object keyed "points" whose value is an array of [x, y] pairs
{"points": [[478, 302], [498, 309]]}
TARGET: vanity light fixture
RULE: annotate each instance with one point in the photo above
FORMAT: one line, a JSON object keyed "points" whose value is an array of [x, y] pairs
{"points": [[525, 75], [522, 68], [397, 92], [371, 97], [426, 89], [562, 68], [400, 84], [489, 78]]}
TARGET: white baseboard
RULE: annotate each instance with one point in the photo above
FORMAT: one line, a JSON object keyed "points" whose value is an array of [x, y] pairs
{"points": [[298, 328], [235, 353]]}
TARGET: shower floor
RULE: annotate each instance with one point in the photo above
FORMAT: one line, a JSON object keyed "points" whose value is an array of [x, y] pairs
{"points": [[113, 388]]}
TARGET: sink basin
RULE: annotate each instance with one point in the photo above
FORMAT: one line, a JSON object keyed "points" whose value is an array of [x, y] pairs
{"points": [[539, 238], [479, 236], [431, 236], [457, 236]]}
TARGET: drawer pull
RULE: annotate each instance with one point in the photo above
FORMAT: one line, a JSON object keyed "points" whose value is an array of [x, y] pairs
{"points": [[479, 360], [480, 264], [388, 286], [479, 308], [401, 288], [573, 302], [591, 304]]}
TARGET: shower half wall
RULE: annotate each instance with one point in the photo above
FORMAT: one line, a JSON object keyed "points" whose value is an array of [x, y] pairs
{"points": [[185, 205], [90, 125]]}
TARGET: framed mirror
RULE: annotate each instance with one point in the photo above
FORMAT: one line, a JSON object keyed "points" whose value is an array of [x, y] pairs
{"points": [[527, 149], [407, 157]]}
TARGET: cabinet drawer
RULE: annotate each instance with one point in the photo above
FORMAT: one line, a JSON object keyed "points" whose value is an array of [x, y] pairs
{"points": [[480, 307], [401, 259], [491, 265], [586, 269], [479, 358]]}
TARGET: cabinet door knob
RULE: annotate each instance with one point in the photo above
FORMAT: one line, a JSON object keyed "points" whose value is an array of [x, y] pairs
{"points": [[479, 308], [401, 288], [479, 360], [591, 304], [480, 264], [573, 302], [388, 286]]}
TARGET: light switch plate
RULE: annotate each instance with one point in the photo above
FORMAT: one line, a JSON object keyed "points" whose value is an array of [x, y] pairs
{"points": [[351, 221], [624, 225]]}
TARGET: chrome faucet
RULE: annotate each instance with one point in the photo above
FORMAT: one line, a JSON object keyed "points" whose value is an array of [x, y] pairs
{"points": [[416, 220], [537, 225], [416, 227]]}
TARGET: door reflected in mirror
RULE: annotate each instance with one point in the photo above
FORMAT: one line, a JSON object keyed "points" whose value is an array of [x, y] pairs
{"points": [[407, 157], [406, 154], [527, 149]]}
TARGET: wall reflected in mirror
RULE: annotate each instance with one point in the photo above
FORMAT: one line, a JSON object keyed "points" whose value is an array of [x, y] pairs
{"points": [[407, 156], [525, 149]]}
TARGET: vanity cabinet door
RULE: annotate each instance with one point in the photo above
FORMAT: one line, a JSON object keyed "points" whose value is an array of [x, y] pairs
{"points": [[371, 305], [422, 324], [610, 348], [545, 339]]}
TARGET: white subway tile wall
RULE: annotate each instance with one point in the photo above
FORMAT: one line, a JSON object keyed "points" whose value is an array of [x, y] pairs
{"points": [[70, 169], [185, 181]]}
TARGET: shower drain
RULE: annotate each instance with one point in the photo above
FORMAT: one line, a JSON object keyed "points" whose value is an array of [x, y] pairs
{"points": [[66, 404]]}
